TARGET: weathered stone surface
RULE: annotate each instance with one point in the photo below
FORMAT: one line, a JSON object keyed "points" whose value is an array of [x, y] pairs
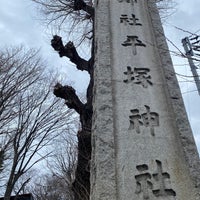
{"points": [[143, 147], [103, 180]]}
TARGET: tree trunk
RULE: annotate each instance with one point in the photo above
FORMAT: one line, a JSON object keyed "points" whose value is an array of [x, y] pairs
{"points": [[81, 185]]}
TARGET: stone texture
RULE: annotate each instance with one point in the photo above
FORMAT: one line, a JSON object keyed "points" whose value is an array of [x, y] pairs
{"points": [[103, 179], [185, 134], [143, 147]]}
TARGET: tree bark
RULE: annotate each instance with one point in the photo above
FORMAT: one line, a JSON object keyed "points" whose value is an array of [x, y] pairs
{"points": [[81, 185], [69, 51], [81, 5]]}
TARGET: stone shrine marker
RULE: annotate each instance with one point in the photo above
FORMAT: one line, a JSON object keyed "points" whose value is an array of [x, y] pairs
{"points": [[143, 147]]}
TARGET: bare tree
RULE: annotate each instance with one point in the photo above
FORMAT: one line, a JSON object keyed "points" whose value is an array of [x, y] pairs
{"points": [[78, 15], [63, 163], [1, 159], [57, 184], [166, 8], [31, 118], [74, 16], [78, 12], [48, 187]]}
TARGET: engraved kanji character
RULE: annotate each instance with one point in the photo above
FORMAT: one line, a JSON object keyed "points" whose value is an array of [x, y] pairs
{"points": [[160, 177], [152, 184], [134, 21], [133, 41], [143, 181], [129, 74], [138, 76], [135, 121], [124, 18], [150, 119], [141, 77], [147, 119], [131, 21]]}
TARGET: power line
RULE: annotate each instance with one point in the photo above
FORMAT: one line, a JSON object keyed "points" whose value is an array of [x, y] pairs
{"points": [[189, 53]]}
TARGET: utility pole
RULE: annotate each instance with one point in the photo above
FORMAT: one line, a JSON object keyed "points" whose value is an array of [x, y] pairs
{"points": [[189, 53]]}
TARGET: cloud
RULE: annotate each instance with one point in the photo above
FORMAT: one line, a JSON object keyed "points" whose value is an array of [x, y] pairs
{"points": [[180, 25], [18, 26]]}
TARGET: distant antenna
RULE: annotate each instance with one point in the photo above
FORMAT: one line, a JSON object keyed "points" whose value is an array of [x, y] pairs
{"points": [[189, 51]]}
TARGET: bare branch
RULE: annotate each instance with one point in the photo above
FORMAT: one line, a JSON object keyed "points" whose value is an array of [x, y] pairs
{"points": [[69, 51], [81, 5], [69, 95], [29, 114]]}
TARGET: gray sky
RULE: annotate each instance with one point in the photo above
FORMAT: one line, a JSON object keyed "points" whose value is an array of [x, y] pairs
{"points": [[19, 24], [186, 17]]}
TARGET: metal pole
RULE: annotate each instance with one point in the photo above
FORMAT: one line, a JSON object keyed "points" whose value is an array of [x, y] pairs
{"points": [[189, 53]]}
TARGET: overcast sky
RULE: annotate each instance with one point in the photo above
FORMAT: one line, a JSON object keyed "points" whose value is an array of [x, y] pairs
{"points": [[19, 24], [183, 22]]}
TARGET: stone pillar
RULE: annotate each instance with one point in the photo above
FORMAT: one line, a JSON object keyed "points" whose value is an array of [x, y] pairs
{"points": [[143, 147]]}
